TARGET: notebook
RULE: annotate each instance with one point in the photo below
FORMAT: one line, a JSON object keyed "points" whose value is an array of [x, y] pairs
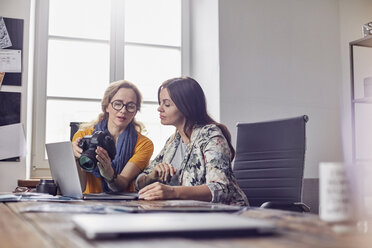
{"points": [[168, 224], [64, 172]]}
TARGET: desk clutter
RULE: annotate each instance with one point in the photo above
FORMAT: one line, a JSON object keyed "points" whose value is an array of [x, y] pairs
{"points": [[60, 229], [104, 207], [34, 196]]}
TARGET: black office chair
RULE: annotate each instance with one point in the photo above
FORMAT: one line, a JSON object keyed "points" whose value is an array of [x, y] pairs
{"points": [[74, 127], [269, 162]]}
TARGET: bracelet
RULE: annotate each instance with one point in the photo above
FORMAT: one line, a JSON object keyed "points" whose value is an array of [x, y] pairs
{"points": [[112, 180]]}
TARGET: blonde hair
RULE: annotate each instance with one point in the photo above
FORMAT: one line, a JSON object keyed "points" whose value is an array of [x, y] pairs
{"points": [[111, 90]]}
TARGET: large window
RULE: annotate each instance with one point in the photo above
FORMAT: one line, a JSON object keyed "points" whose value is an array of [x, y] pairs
{"points": [[83, 45]]}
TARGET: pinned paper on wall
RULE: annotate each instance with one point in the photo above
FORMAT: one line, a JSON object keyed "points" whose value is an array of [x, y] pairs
{"points": [[4, 35], [10, 60], [1, 78], [13, 142]]}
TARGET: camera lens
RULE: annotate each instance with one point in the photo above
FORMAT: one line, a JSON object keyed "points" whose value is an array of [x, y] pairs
{"points": [[47, 186], [86, 163], [89, 145]]}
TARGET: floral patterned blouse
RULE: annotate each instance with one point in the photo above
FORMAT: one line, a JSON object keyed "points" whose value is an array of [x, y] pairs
{"points": [[207, 161]]}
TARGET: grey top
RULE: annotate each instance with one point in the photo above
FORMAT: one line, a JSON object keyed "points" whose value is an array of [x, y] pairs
{"points": [[177, 162]]}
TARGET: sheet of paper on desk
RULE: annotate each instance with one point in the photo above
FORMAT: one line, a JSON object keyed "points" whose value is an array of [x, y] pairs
{"points": [[69, 208], [13, 142], [9, 197], [180, 206], [10, 60]]}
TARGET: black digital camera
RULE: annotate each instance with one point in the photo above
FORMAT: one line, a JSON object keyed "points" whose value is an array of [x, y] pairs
{"points": [[89, 145]]}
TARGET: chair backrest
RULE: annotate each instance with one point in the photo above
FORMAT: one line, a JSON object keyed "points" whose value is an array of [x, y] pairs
{"points": [[74, 127], [269, 160]]}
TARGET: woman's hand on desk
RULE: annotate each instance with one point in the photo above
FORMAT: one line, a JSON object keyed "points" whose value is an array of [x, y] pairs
{"points": [[162, 172], [157, 191]]}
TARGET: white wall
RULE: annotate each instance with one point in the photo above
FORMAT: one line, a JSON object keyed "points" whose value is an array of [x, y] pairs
{"points": [[10, 172], [281, 59], [204, 54]]}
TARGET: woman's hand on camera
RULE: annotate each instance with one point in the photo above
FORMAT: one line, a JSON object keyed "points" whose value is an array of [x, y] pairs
{"points": [[104, 164], [163, 172], [77, 150], [157, 191]]}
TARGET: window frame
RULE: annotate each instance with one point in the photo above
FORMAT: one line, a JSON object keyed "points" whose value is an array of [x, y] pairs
{"points": [[39, 165]]}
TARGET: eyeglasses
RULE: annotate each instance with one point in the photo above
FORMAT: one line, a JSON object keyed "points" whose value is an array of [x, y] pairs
{"points": [[20, 189], [131, 107]]}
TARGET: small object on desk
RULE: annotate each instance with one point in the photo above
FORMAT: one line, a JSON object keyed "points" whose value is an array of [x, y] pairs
{"points": [[335, 204], [288, 206], [20, 189], [47, 186], [29, 183]]}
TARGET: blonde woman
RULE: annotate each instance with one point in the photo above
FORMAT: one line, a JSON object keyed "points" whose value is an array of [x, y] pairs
{"points": [[120, 104]]}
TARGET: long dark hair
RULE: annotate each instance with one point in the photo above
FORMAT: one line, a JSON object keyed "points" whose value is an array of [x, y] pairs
{"points": [[189, 98]]}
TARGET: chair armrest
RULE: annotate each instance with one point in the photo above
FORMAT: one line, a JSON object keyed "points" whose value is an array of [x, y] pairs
{"points": [[289, 206]]}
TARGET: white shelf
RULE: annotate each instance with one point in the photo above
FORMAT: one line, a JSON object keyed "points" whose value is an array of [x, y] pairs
{"points": [[363, 100], [363, 42]]}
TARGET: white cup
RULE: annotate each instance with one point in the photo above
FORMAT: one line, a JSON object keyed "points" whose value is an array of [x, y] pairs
{"points": [[335, 203]]}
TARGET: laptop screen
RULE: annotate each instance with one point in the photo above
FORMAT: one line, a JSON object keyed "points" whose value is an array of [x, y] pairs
{"points": [[105, 226], [63, 168]]}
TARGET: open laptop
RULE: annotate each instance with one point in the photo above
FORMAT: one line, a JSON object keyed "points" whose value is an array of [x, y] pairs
{"points": [[64, 172], [168, 224]]}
